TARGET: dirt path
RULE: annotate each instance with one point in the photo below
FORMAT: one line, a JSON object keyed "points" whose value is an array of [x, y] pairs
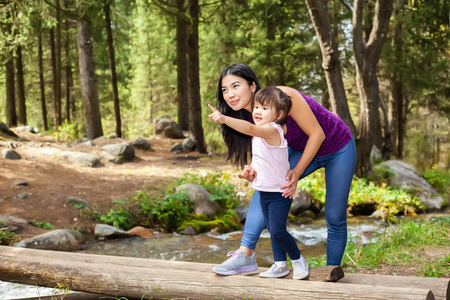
{"points": [[51, 179]]}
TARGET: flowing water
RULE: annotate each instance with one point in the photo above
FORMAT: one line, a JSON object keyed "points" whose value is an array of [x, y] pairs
{"points": [[206, 248]]}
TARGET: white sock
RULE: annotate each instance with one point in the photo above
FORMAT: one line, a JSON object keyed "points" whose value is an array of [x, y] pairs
{"points": [[281, 263], [296, 260]]}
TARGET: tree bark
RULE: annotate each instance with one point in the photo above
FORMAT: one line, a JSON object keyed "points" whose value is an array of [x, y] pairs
{"points": [[58, 64], [22, 119], [89, 89], [112, 67], [195, 109], [70, 99], [11, 115], [56, 94], [182, 68], [158, 279], [42, 84], [330, 60], [366, 60]]}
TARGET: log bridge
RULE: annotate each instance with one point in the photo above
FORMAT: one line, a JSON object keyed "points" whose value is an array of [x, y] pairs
{"points": [[162, 279]]}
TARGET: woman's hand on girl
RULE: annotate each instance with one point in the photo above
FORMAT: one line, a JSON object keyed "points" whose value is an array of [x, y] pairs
{"points": [[291, 187]]}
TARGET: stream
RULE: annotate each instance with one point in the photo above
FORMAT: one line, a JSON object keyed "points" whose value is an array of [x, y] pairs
{"points": [[206, 248]]}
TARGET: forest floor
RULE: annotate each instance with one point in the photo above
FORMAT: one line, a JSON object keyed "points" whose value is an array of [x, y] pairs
{"points": [[51, 180]]}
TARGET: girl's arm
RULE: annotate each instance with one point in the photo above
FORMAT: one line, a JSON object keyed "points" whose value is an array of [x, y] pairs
{"points": [[305, 119], [267, 132]]}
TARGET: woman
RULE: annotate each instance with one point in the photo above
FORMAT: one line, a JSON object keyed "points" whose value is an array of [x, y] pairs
{"points": [[316, 138]]}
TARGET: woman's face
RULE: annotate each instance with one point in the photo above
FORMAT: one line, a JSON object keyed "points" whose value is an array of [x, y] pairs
{"points": [[237, 92]]}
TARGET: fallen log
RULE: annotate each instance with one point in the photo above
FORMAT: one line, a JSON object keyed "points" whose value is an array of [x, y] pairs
{"points": [[439, 286], [134, 277]]}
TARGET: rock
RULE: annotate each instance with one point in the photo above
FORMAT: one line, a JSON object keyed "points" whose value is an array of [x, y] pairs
{"points": [[110, 157], [167, 127], [188, 145], [20, 182], [408, 178], [141, 143], [10, 154], [77, 201], [13, 219], [59, 239], [189, 230], [5, 129], [29, 129], [300, 202], [176, 147], [81, 158], [103, 230], [124, 151], [241, 211], [201, 199], [143, 232]]}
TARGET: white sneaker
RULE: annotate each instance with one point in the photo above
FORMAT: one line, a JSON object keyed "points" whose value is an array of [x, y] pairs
{"points": [[275, 271], [301, 268]]}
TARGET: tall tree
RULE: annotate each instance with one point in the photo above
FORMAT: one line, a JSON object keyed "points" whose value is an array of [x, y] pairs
{"points": [[182, 70], [330, 60], [367, 55], [11, 115], [112, 66], [42, 82], [195, 108], [89, 89], [20, 87]]}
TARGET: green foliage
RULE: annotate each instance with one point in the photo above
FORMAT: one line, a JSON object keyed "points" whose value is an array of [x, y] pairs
{"points": [[403, 245], [439, 179], [230, 221], [43, 225], [7, 238], [67, 132], [217, 184], [118, 216], [364, 192]]}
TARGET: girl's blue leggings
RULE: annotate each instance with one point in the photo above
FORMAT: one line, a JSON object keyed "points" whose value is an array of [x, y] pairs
{"points": [[339, 169]]}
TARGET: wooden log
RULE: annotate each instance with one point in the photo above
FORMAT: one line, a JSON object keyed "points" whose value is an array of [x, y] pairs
{"points": [[134, 277], [439, 286]]}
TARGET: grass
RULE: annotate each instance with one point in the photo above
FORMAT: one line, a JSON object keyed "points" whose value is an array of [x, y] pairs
{"points": [[405, 244]]}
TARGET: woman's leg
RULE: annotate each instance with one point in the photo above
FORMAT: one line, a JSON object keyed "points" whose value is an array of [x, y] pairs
{"points": [[338, 175]]}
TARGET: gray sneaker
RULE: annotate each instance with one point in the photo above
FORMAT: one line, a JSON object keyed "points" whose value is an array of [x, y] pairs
{"points": [[275, 271], [301, 268], [237, 263]]}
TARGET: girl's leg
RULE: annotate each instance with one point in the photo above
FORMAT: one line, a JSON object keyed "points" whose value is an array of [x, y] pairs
{"points": [[254, 225], [277, 209], [338, 176]]}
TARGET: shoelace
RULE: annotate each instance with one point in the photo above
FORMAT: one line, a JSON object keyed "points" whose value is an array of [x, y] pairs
{"points": [[233, 255]]}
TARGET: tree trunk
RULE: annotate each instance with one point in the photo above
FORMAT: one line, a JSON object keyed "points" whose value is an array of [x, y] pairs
{"points": [[20, 88], [42, 84], [195, 109], [11, 115], [112, 67], [182, 68], [58, 64], [56, 94], [366, 59], [271, 79], [159, 279], [88, 79], [70, 101], [330, 61]]}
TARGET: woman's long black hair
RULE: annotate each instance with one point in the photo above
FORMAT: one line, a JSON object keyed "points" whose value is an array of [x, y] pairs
{"points": [[238, 144]]}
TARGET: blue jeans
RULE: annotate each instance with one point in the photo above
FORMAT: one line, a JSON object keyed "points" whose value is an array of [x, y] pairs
{"points": [[275, 209], [339, 169]]}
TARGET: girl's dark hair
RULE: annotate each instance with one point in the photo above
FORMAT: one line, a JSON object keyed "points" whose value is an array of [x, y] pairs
{"points": [[238, 144], [274, 97]]}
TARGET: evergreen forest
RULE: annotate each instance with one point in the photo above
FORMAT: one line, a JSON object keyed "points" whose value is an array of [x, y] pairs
{"points": [[112, 67]]}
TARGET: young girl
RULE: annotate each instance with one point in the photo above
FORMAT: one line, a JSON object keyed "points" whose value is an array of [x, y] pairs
{"points": [[316, 137], [270, 160]]}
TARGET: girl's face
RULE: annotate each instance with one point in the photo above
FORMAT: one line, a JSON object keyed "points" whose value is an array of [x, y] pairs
{"points": [[263, 114], [237, 92]]}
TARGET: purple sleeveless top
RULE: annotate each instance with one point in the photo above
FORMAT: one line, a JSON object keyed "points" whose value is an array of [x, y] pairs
{"points": [[337, 133]]}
